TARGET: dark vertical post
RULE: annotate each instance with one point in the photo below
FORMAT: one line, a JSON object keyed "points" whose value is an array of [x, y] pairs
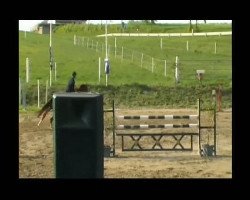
{"points": [[215, 129], [199, 130], [78, 135], [113, 105]]}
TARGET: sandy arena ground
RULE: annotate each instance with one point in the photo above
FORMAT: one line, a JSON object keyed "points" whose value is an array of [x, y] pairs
{"points": [[36, 153]]}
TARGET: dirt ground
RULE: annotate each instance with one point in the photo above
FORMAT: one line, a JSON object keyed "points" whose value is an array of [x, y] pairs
{"points": [[36, 153]]}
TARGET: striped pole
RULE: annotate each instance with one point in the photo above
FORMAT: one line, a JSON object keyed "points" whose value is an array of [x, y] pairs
{"points": [[166, 117], [147, 126]]}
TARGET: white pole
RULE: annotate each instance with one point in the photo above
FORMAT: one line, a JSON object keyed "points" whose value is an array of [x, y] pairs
{"points": [[176, 70], [165, 68], [152, 65], [46, 92], [20, 93], [50, 44], [115, 47], [161, 43], [215, 48], [99, 75], [106, 43], [141, 59], [122, 53], [187, 45], [106, 39], [74, 39], [50, 73], [106, 80], [27, 70], [50, 34], [55, 71], [24, 96], [38, 94]]}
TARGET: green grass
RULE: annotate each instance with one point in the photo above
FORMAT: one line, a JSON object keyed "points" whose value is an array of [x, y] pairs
{"points": [[130, 84]]}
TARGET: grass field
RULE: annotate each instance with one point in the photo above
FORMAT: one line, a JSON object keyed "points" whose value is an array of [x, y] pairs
{"points": [[127, 73]]}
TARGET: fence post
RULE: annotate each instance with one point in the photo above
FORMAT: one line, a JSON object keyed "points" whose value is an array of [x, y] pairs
{"points": [[38, 94], [46, 92], [141, 59], [82, 41], [115, 47], [20, 91], [74, 39], [24, 96], [152, 65], [27, 70], [165, 68], [122, 53], [99, 74], [177, 70], [55, 71], [199, 125]]}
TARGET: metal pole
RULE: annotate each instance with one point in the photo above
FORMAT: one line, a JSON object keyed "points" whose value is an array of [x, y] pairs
{"points": [[106, 39]]}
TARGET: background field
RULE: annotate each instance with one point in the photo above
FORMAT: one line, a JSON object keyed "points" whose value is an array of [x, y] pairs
{"points": [[127, 73]]}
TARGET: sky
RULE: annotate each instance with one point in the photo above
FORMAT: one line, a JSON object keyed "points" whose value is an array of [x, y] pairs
{"points": [[28, 25]]}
